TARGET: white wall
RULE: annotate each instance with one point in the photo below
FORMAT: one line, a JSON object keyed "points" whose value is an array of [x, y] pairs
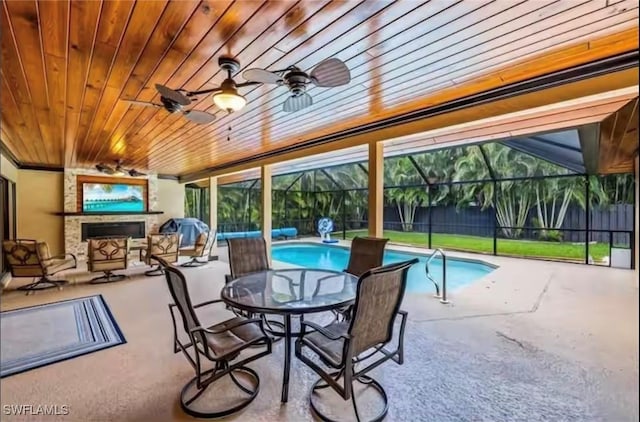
{"points": [[7, 169], [170, 199]]}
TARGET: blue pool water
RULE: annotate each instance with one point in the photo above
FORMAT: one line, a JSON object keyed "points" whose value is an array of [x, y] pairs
{"points": [[459, 272]]}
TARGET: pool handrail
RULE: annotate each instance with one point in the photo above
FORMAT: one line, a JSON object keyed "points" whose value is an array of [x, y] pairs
{"points": [[443, 297]]}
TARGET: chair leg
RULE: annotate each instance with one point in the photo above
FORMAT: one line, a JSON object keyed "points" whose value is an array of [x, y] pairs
{"points": [[363, 379], [193, 263], [108, 277], [43, 283], [155, 271], [191, 391]]}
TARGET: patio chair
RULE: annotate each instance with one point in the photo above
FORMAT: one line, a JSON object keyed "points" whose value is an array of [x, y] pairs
{"points": [[220, 344], [340, 346], [29, 258], [165, 246], [201, 249], [365, 254], [246, 256], [107, 255]]}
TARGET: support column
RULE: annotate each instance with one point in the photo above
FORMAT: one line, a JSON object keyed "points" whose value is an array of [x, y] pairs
{"points": [[636, 226], [265, 218], [213, 214], [376, 188]]}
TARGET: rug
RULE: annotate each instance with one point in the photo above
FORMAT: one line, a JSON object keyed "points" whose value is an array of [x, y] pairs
{"points": [[44, 334]]}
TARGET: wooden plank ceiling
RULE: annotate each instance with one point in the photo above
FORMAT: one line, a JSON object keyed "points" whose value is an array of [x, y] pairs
{"points": [[68, 67], [619, 140], [555, 117]]}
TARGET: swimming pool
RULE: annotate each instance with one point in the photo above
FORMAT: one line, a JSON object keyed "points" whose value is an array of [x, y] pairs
{"points": [[330, 257]]}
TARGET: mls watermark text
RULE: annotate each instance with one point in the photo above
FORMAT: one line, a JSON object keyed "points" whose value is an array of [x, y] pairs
{"points": [[35, 409]]}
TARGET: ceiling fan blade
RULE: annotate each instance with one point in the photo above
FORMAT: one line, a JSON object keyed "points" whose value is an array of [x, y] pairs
{"points": [[135, 173], [173, 95], [104, 168], [143, 103], [294, 104], [200, 117], [262, 76], [331, 72]]}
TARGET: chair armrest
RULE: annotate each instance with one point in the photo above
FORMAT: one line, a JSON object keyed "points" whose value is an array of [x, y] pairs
{"points": [[64, 255], [323, 331], [227, 328], [209, 302]]}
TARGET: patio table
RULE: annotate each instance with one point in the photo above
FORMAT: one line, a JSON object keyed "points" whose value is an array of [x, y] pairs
{"points": [[289, 292]]}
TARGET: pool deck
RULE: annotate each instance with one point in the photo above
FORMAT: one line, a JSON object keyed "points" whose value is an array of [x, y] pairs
{"points": [[531, 341], [579, 312]]}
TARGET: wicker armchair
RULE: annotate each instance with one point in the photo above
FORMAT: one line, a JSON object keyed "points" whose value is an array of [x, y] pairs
{"points": [[364, 340], [165, 246], [106, 255], [28, 258], [220, 344], [201, 249]]}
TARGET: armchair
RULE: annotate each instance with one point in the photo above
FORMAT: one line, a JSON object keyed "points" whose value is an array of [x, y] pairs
{"points": [[340, 346], [201, 249], [28, 258], [165, 246], [106, 255], [220, 344]]}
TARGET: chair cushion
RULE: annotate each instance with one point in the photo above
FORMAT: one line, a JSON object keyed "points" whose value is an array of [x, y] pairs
{"points": [[57, 265], [329, 350], [230, 341]]}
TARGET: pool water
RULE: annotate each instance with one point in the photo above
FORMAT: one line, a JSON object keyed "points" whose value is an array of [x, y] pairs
{"points": [[459, 272]]}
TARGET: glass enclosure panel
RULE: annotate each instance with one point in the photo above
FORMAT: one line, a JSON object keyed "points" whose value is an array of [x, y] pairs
{"points": [[462, 217], [453, 164], [350, 176]]}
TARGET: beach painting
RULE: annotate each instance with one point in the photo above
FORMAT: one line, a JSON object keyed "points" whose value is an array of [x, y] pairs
{"points": [[108, 197]]}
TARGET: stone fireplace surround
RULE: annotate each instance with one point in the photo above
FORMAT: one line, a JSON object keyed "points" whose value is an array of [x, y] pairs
{"points": [[73, 224]]}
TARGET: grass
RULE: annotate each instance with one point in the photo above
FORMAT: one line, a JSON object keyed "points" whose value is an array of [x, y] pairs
{"points": [[512, 247]]}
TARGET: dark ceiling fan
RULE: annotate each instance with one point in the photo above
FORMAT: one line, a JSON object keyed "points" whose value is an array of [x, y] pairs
{"points": [[226, 95], [118, 170], [328, 73]]}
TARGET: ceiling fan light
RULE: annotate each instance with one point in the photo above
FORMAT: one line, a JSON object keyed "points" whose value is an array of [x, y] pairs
{"points": [[229, 100]]}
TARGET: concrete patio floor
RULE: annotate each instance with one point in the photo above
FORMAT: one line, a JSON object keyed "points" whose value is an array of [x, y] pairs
{"points": [[532, 340]]}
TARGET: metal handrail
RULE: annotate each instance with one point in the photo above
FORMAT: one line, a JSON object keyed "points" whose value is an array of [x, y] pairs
{"points": [[443, 296]]}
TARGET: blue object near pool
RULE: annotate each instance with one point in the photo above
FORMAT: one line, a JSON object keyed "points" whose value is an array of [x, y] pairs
{"points": [[331, 257], [284, 233]]}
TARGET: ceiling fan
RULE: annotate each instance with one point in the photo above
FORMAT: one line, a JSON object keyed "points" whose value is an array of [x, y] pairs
{"points": [[226, 95], [118, 170], [328, 73]]}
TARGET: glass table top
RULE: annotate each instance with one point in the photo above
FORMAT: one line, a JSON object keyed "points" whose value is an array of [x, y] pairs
{"points": [[293, 291]]}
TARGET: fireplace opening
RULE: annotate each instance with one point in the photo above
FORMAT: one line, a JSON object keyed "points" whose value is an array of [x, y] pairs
{"points": [[134, 229]]}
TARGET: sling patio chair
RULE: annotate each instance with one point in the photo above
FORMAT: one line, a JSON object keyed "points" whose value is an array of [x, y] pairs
{"points": [[344, 347], [219, 344]]}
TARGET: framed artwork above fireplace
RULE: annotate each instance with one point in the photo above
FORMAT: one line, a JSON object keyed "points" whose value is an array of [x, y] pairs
{"points": [[100, 195]]}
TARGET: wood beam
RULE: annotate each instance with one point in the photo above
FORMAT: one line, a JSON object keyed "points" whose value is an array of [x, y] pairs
{"points": [[213, 208], [376, 188], [265, 218]]}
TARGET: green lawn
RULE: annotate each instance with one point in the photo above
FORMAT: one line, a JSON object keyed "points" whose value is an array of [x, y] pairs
{"points": [[524, 248]]}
